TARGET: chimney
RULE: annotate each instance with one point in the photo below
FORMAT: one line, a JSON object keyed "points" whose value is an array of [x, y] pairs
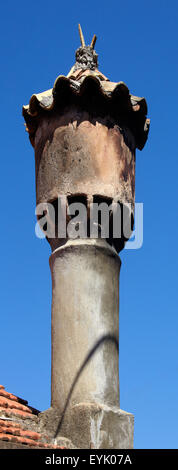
{"points": [[85, 132]]}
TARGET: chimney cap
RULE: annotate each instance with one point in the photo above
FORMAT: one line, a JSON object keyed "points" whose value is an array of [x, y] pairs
{"points": [[86, 56], [83, 79]]}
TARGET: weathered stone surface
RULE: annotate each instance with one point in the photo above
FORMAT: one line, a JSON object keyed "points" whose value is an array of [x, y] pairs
{"points": [[99, 426], [85, 306], [86, 58], [88, 159], [92, 426], [78, 154], [92, 91]]}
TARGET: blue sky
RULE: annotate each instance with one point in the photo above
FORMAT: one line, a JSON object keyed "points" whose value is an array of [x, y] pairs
{"points": [[137, 43]]}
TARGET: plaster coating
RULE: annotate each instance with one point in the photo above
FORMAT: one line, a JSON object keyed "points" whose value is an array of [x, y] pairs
{"points": [[80, 154], [88, 274]]}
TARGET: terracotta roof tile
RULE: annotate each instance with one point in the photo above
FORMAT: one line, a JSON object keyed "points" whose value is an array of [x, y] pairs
{"points": [[115, 98], [15, 428], [13, 404], [5, 394], [28, 441], [18, 413], [7, 423]]}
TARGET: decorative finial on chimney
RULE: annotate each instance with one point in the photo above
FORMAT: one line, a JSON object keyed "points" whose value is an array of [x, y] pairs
{"points": [[81, 36], [86, 57], [92, 45]]}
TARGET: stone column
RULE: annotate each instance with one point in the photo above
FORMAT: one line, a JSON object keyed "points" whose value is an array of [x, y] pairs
{"points": [[85, 306]]}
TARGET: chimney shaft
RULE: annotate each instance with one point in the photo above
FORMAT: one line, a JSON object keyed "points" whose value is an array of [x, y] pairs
{"points": [[85, 132]]}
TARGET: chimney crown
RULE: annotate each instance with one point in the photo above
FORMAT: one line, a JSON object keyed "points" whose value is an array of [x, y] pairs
{"points": [[87, 87]]}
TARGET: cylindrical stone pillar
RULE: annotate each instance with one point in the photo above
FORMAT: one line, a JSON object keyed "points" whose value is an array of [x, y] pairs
{"points": [[85, 306]]}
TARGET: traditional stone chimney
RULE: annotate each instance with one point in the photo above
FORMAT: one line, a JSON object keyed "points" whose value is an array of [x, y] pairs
{"points": [[85, 131]]}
